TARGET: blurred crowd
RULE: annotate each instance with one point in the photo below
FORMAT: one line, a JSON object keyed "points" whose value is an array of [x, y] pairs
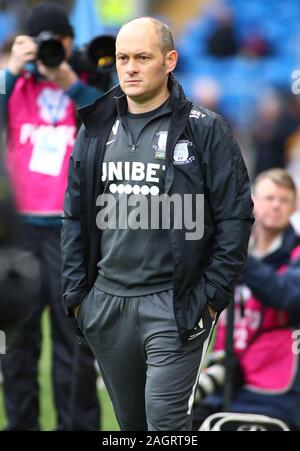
{"points": [[240, 59]]}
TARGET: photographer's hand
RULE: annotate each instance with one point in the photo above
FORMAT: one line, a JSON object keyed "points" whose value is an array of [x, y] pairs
{"points": [[63, 76], [23, 50]]}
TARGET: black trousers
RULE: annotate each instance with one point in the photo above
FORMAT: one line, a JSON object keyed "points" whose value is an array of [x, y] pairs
{"points": [[73, 371], [149, 373]]}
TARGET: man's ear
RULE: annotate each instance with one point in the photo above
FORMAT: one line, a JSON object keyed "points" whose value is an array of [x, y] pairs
{"points": [[67, 42], [171, 60]]}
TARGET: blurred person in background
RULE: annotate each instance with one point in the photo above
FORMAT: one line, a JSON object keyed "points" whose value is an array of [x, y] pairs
{"points": [[255, 45], [278, 118], [40, 110], [15, 12], [19, 269], [223, 43], [208, 92], [5, 52], [267, 312], [292, 155]]}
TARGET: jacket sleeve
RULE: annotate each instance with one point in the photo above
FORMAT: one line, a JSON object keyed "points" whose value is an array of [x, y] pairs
{"points": [[83, 94], [8, 82], [74, 278], [231, 208], [279, 291]]}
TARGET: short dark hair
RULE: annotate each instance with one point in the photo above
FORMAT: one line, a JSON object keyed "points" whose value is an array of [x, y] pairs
{"points": [[164, 32], [166, 37]]}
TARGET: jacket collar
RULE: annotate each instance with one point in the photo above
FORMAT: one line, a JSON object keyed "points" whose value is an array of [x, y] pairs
{"points": [[104, 109], [289, 241]]}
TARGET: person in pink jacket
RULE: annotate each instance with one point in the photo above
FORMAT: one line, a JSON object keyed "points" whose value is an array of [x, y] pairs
{"points": [[40, 108]]}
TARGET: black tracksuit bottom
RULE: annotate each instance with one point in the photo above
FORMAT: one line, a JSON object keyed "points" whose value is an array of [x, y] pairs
{"points": [[149, 373]]}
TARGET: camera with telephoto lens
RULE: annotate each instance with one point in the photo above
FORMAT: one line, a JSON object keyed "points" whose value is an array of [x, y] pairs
{"points": [[96, 59], [98, 55], [212, 378]]}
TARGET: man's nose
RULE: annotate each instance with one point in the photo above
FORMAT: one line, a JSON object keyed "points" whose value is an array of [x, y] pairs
{"points": [[131, 66], [276, 203]]}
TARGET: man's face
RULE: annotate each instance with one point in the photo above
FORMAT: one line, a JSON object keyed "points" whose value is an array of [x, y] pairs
{"points": [[142, 67], [273, 205]]}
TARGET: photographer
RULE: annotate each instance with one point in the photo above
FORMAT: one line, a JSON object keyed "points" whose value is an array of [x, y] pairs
{"points": [[40, 108], [47, 18]]}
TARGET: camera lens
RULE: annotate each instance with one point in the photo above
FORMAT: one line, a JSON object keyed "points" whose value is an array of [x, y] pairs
{"points": [[101, 53], [50, 49], [51, 53]]}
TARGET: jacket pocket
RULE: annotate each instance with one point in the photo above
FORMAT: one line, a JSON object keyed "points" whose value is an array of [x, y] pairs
{"points": [[81, 309], [194, 305], [204, 327]]}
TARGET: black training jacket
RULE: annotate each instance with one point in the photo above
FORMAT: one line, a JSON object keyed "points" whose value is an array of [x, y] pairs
{"points": [[205, 271]]}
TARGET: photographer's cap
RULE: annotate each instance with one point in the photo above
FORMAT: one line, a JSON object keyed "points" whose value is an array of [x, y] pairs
{"points": [[48, 17]]}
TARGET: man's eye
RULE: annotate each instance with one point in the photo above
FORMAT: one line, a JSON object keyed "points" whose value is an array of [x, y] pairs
{"points": [[144, 58]]}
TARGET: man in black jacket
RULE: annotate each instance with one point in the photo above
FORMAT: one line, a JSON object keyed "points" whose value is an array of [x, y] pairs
{"points": [[145, 295]]}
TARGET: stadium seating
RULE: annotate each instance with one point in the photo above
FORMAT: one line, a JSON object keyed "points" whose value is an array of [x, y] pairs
{"points": [[241, 78]]}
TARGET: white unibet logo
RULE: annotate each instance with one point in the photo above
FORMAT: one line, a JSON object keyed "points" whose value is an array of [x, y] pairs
{"points": [[195, 114], [2, 82], [2, 342], [135, 171]]}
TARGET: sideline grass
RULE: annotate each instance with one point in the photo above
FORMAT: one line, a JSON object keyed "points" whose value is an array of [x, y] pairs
{"points": [[47, 415]]}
